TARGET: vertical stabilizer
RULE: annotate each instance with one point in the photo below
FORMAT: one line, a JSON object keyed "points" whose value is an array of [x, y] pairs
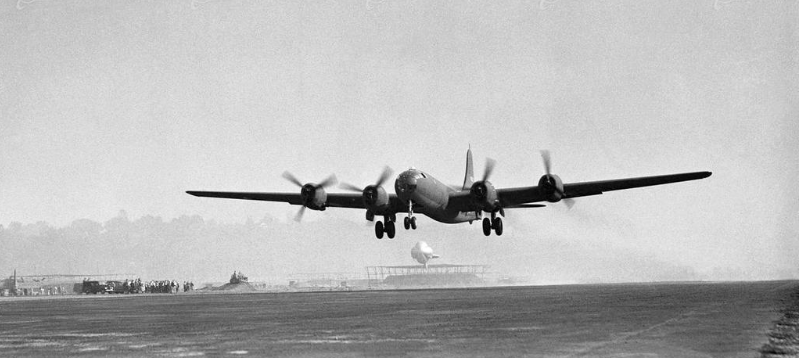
{"points": [[468, 180]]}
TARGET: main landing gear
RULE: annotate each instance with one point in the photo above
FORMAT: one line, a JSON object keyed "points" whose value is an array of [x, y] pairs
{"points": [[494, 223], [388, 227], [410, 220]]}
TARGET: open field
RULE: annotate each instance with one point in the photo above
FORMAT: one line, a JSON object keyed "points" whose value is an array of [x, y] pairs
{"points": [[667, 320]]}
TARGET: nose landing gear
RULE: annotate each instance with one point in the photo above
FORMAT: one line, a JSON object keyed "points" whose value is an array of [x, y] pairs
{"points": [[410, 220], [409, 223]]}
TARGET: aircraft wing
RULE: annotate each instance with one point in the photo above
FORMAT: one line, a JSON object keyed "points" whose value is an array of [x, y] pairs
{"points": [[516, 197], [342, 200], [334, 200]]}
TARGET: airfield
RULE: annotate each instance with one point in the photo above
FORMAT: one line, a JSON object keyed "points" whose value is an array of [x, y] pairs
{"points": [[651, 320]]}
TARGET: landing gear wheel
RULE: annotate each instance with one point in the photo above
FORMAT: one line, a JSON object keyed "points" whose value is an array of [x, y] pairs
{"points": [[379, 229], [486, 227], [498, 226], [407, 223], [413, 223], [390, 229]]}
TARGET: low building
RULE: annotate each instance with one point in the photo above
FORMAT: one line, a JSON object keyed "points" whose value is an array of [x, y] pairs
{"points": [[445, 275]]}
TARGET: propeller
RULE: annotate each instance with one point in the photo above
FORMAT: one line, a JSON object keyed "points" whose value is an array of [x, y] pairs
{"points": [[548, 169], [308, 190], [370, 192], [480, 190], [331, 180], [387, 171]]}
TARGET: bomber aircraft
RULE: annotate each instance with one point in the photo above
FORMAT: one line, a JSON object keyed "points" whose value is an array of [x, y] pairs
{"points": [[418, 192]]}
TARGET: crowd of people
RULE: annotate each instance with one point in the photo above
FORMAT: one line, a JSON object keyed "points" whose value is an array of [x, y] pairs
{"points": [[162, 286], [152, 286], [166, 286]]}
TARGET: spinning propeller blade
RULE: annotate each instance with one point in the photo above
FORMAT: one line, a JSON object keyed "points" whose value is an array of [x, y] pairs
{"points": [[300, 213], [387, 171], [384, 175], [331, 180], [547, 164], [350, 187], [490, 163], [291, 178]]}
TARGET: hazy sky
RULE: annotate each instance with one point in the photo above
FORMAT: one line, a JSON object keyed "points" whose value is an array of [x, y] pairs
{"points": [[111, 105]]}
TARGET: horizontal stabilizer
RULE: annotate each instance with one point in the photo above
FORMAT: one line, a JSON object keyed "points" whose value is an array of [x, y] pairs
{"points": [[527, 206]]}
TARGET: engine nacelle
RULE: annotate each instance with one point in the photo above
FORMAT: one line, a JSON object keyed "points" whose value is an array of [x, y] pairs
{"points": [[375, 197], [484, 196], [551, 187], [313, 197]]}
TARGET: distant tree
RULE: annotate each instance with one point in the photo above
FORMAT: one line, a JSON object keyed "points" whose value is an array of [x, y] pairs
{"points": [[85, 227], [119, 223], [15, 227], [149, 224], [40, 228]]}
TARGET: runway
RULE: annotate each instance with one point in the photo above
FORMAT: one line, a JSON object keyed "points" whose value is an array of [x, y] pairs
{"points": [[650, 320]]}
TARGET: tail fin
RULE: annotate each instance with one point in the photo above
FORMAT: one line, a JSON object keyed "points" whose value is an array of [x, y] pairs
{"points": [[468, 180]]}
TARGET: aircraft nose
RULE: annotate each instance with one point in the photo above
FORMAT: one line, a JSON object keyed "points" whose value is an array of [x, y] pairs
{"points": [[405, 184]]}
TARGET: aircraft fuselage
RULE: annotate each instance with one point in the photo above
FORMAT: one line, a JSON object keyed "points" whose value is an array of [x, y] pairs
{"points": [[431, 195]]}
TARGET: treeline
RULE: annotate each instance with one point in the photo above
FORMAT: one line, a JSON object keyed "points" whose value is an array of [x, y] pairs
{"points": [[186, 247], [191, 248]]}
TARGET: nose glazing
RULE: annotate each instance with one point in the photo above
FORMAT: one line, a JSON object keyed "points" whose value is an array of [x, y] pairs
{"points": [[406, 183]]}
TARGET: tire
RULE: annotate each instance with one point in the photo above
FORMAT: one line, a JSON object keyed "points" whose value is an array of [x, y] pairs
{"points": [[390, 229], [413, 223], [407, 223], [379, 230], [498, 226], [486, 227]]}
